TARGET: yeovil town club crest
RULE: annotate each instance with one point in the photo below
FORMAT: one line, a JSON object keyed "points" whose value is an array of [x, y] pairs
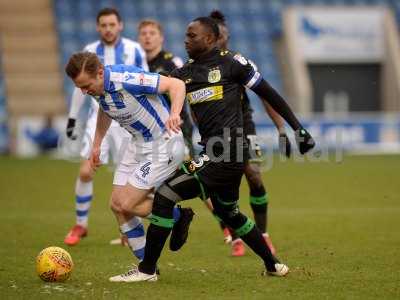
{"points": [[214, 76]]}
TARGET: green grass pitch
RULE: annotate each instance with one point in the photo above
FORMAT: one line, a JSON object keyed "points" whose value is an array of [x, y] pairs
{"points": [[336, 225]]}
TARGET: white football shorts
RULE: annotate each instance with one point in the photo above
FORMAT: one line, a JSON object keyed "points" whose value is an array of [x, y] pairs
{"points": [[147, 165]]}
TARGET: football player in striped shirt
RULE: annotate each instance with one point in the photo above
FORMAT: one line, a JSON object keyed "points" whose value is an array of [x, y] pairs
{"points": [[111, 49], [132, 97]]}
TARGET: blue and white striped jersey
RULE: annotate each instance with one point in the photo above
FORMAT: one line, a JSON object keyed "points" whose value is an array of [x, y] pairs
{"points": [[131, 98], [126, 51]]}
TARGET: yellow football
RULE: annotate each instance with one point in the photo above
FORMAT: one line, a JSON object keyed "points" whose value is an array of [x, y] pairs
{"points": [[54, 264]]}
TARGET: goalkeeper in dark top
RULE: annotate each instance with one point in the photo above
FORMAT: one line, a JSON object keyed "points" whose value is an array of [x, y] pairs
{"points": [[258, 194], [214, 83]]}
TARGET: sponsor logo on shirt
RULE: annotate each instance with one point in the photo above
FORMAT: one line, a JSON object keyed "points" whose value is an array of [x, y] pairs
{"points": [[123, 118], [138, 79], [211, 93], [141, 79], [129, 76]]}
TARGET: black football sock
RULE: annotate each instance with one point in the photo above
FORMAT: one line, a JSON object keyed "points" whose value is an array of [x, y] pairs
{"points": [[260, 212], [161, 223], [252, 236], [155, 240], [259, 206]]}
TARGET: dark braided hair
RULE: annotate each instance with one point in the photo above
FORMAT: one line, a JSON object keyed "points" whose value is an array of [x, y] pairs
{"points": [[210, 23], [218, 16]]}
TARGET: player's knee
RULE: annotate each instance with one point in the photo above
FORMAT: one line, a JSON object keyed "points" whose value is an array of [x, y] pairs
{"points": [[120, 203], [254, 179], [126, 207], [116, 203], [85, 174], [234, 219], [226, 214], [253, 174]]}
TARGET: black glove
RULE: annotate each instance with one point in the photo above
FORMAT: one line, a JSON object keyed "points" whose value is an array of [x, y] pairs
{"points": [[285, 148], [304, 141], [70, 129]]}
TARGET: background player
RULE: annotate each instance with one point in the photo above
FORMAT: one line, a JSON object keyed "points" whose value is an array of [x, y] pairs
{"points": [[258, 195], [151, 38], [111, 49]]}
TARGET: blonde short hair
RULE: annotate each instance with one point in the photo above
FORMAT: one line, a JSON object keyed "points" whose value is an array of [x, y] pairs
{"points": [[147, 22]]}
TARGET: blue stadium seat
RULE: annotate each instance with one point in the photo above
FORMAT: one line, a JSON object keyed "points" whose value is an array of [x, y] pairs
{"points": [[4, 138], [254, 24]]}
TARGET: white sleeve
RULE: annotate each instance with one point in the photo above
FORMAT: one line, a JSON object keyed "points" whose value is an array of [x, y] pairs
{"points": [[253, 65], [145, 66], [77, 101]]}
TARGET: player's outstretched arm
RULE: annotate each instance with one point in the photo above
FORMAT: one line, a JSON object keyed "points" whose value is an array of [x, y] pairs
{"points": [[103, 123], [177, 92], [267, 93], [246, 74]]}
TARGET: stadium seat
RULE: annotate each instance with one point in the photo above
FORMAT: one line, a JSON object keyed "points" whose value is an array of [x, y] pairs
{"points": [[3, 115], [254, 24]]}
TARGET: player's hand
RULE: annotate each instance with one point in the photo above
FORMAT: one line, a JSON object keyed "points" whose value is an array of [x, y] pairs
{"points": [[285, 148], [173, 123], [304, 141], [70, 129], [94, 158]]}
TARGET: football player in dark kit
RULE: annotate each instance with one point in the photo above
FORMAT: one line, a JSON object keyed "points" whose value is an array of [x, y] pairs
{"points": [[214, 81], [151, 38], [258, 194]]}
